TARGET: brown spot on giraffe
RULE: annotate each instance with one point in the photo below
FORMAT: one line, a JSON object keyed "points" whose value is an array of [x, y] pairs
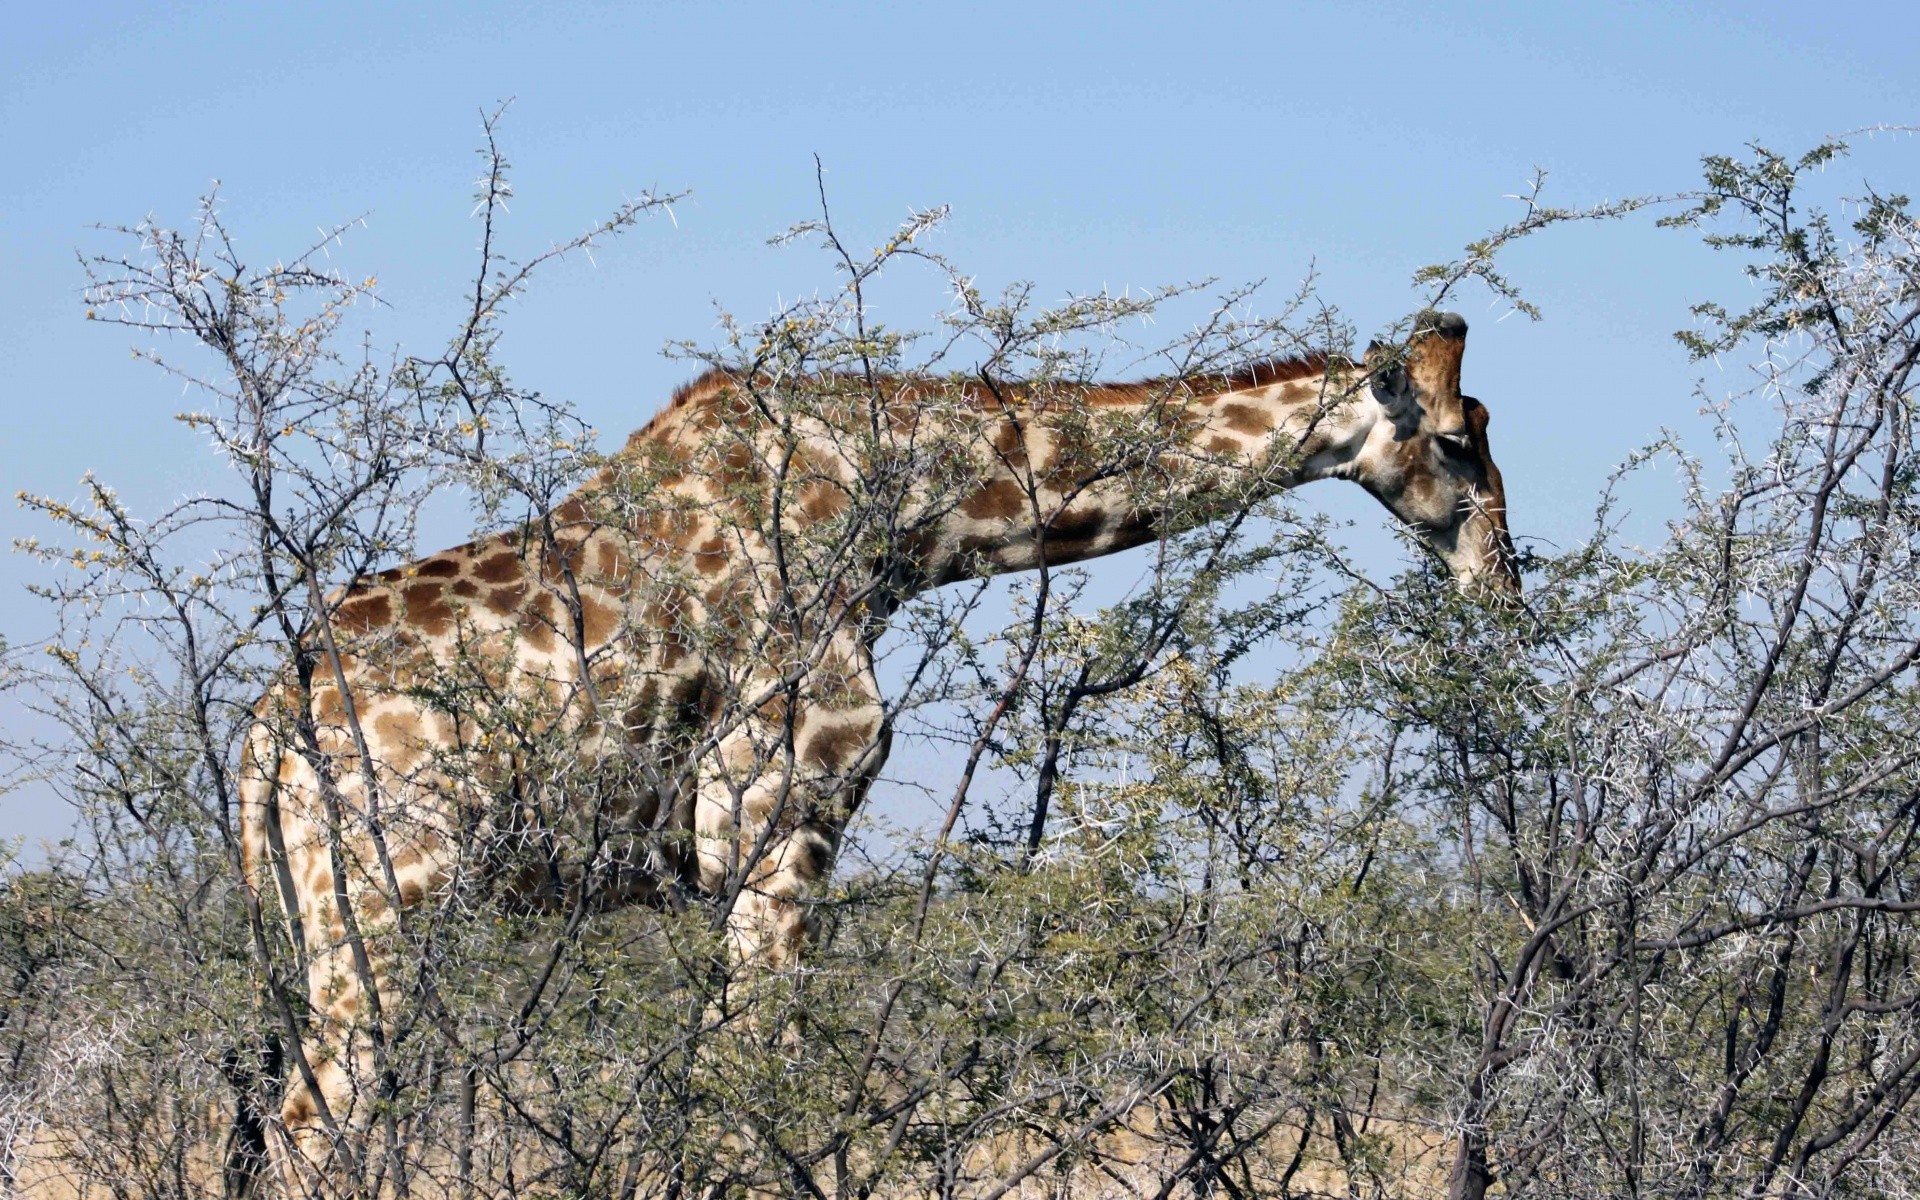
{"points": [[543, 620], [300, 1111], [1247, 418], [710, 557], [822, 500], [503, 567], [561, 559], [407, 858], [1080, 522], [612, 562], [328, 707], [400, 734], [739, 464], [832, 744], [504, 600], [427, 608], [363, 614], [832, 741], [598, 621], [1001, 500]]}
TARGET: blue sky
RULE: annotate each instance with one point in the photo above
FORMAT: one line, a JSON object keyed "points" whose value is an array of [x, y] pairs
{"points": [[1080, 146]]}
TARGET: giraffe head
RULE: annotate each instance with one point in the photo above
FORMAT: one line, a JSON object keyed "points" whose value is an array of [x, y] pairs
{"points": [[1428, 460]]}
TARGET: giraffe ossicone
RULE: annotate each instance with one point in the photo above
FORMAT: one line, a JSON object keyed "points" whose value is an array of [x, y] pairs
{"points": [[666, 685]]}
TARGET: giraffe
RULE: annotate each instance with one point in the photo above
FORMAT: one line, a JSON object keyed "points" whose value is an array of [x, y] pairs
{"points": [[696, 625]]}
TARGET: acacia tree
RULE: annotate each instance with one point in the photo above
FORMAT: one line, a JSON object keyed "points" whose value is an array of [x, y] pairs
{"points": [[1682, 789], [1250, 883]]}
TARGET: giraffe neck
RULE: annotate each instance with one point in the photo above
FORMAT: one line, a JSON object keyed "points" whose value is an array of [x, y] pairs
{"points": [[1051, 495]]}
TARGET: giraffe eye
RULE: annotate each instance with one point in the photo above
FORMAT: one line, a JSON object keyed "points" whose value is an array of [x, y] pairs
{"points": [[1455, 445]]}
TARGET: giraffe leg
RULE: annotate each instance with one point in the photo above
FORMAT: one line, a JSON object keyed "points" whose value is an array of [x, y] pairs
{"points": [[336, 1054], [348, 943], [342, 983], [777, 833]]}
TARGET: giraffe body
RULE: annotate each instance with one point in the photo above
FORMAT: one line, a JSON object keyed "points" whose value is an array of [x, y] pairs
{"points": [[714, 695]]}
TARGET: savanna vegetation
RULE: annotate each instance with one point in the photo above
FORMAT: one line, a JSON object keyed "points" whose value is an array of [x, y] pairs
{"points": [[1264, 879]]}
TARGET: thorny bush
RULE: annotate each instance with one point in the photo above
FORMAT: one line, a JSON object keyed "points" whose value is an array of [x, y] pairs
{"points": [[1251, 883]]}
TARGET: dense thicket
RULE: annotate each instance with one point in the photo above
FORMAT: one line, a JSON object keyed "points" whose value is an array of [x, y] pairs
{"points": [[1252, 884]]}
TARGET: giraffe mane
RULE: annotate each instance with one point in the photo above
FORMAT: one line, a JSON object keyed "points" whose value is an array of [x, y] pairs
{"points": [[1254, 375], [1272, 370], [701, 386], [1262, 373]]}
